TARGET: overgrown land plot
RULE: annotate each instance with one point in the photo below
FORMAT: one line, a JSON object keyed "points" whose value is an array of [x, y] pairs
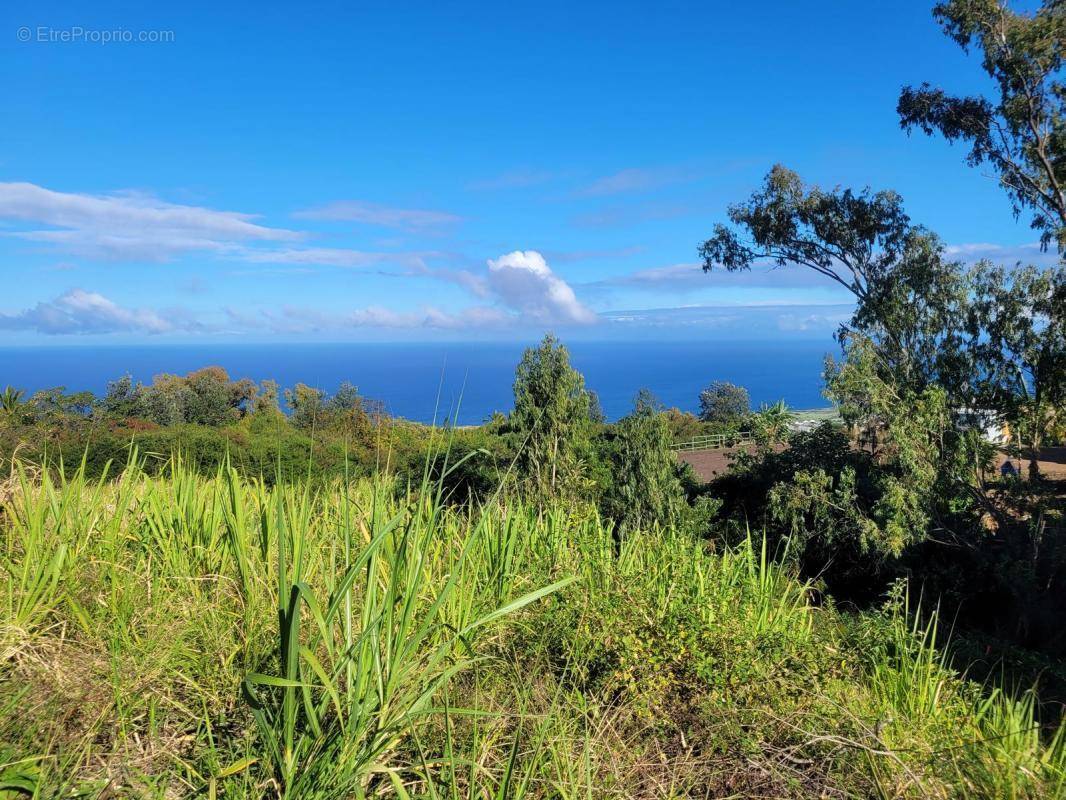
{"points": [[181, 635], [211, 591]]}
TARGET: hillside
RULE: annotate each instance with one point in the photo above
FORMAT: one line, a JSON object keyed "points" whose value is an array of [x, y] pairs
{"points": [[180, 636]]}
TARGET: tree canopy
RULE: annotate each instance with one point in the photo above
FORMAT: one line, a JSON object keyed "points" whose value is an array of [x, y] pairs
{"points": [[1020, 133]]}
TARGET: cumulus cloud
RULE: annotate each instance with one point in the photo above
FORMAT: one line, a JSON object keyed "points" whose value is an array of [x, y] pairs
{"points": [[519, 290], [524, 282], [78, 312], [411, 219], [127, 225]]}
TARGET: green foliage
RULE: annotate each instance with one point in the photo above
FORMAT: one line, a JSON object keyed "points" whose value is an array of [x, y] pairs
{"points": [[724, 403], [1022, 132], [770, 425], [1018, 340], [184, 635], [551, 421], [919, 454], [203, 397], [644, 490], [852, 238], [307, 405], [934, 351]]}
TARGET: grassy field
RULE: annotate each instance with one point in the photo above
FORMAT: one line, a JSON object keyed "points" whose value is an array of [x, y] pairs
{"points": [[174, 636]]}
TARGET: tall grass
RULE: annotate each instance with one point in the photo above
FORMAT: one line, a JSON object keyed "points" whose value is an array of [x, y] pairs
{"points": [[171, 635]]}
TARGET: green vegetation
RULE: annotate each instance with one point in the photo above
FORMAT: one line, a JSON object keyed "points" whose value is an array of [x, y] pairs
{"points": [[936, 352], [178, 635], [291, 594], [724, 403]]}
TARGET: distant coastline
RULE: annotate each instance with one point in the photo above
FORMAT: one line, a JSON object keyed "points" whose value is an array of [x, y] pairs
{"points": [[473, 377]]}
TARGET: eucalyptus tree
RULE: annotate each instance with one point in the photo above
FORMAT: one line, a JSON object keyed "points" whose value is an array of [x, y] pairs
{"points": [[1021, 131]]}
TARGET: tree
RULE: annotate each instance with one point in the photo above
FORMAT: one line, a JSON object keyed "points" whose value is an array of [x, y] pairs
{"points": [[770, 424], [596, 414], [166, 400], [212, 398], [725, 403], [923, 460], [909, 363], [267, 401], [851, 238], [308, 405], [551, 419], [11, 404], [644, 489], [345, 411], [1018, 336], [122, 398], [1016, 322], [1022, 132]]}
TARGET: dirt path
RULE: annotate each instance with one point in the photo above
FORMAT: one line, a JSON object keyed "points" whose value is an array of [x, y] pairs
{"points": [[1052, 462], [709, 464]]}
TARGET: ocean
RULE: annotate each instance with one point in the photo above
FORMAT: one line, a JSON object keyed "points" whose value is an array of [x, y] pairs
{"points": [[420, 380]]}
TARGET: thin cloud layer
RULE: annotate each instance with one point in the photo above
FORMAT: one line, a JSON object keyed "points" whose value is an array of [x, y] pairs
{"points": [[80, 312], [634, 179], [128, 225], [328, 257]]}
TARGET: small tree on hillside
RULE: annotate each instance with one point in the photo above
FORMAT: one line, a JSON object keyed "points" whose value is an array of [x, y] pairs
{"points": [[725, 403], [214, 399], [267, 400], [346, 412], [122, 399], [644, 488], [308, 405], [551, 418]]}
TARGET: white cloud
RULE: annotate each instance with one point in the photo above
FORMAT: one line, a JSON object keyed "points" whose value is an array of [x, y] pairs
{"points": [[524, 282], [522, 287], [78, 311], [739, 322], [812, 322], [128, 225], [411, 219], [303, 320], [689, 277], [518, 290], [1003, 254]]}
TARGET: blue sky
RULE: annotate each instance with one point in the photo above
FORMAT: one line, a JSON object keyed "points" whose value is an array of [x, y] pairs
{"points": [[396, 171]]}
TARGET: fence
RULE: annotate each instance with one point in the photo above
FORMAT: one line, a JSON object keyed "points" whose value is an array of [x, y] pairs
{"points": [[715, 441]]}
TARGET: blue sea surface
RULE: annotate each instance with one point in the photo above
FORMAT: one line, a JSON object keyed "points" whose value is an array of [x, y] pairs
{"points": [[418, 381]]}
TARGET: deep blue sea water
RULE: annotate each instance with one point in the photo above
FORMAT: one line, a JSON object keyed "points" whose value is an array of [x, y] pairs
{"points": [[406, 377]]}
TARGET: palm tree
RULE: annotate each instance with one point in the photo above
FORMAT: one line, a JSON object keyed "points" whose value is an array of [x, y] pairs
{"points": [[11, 400], [771, 423]]}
